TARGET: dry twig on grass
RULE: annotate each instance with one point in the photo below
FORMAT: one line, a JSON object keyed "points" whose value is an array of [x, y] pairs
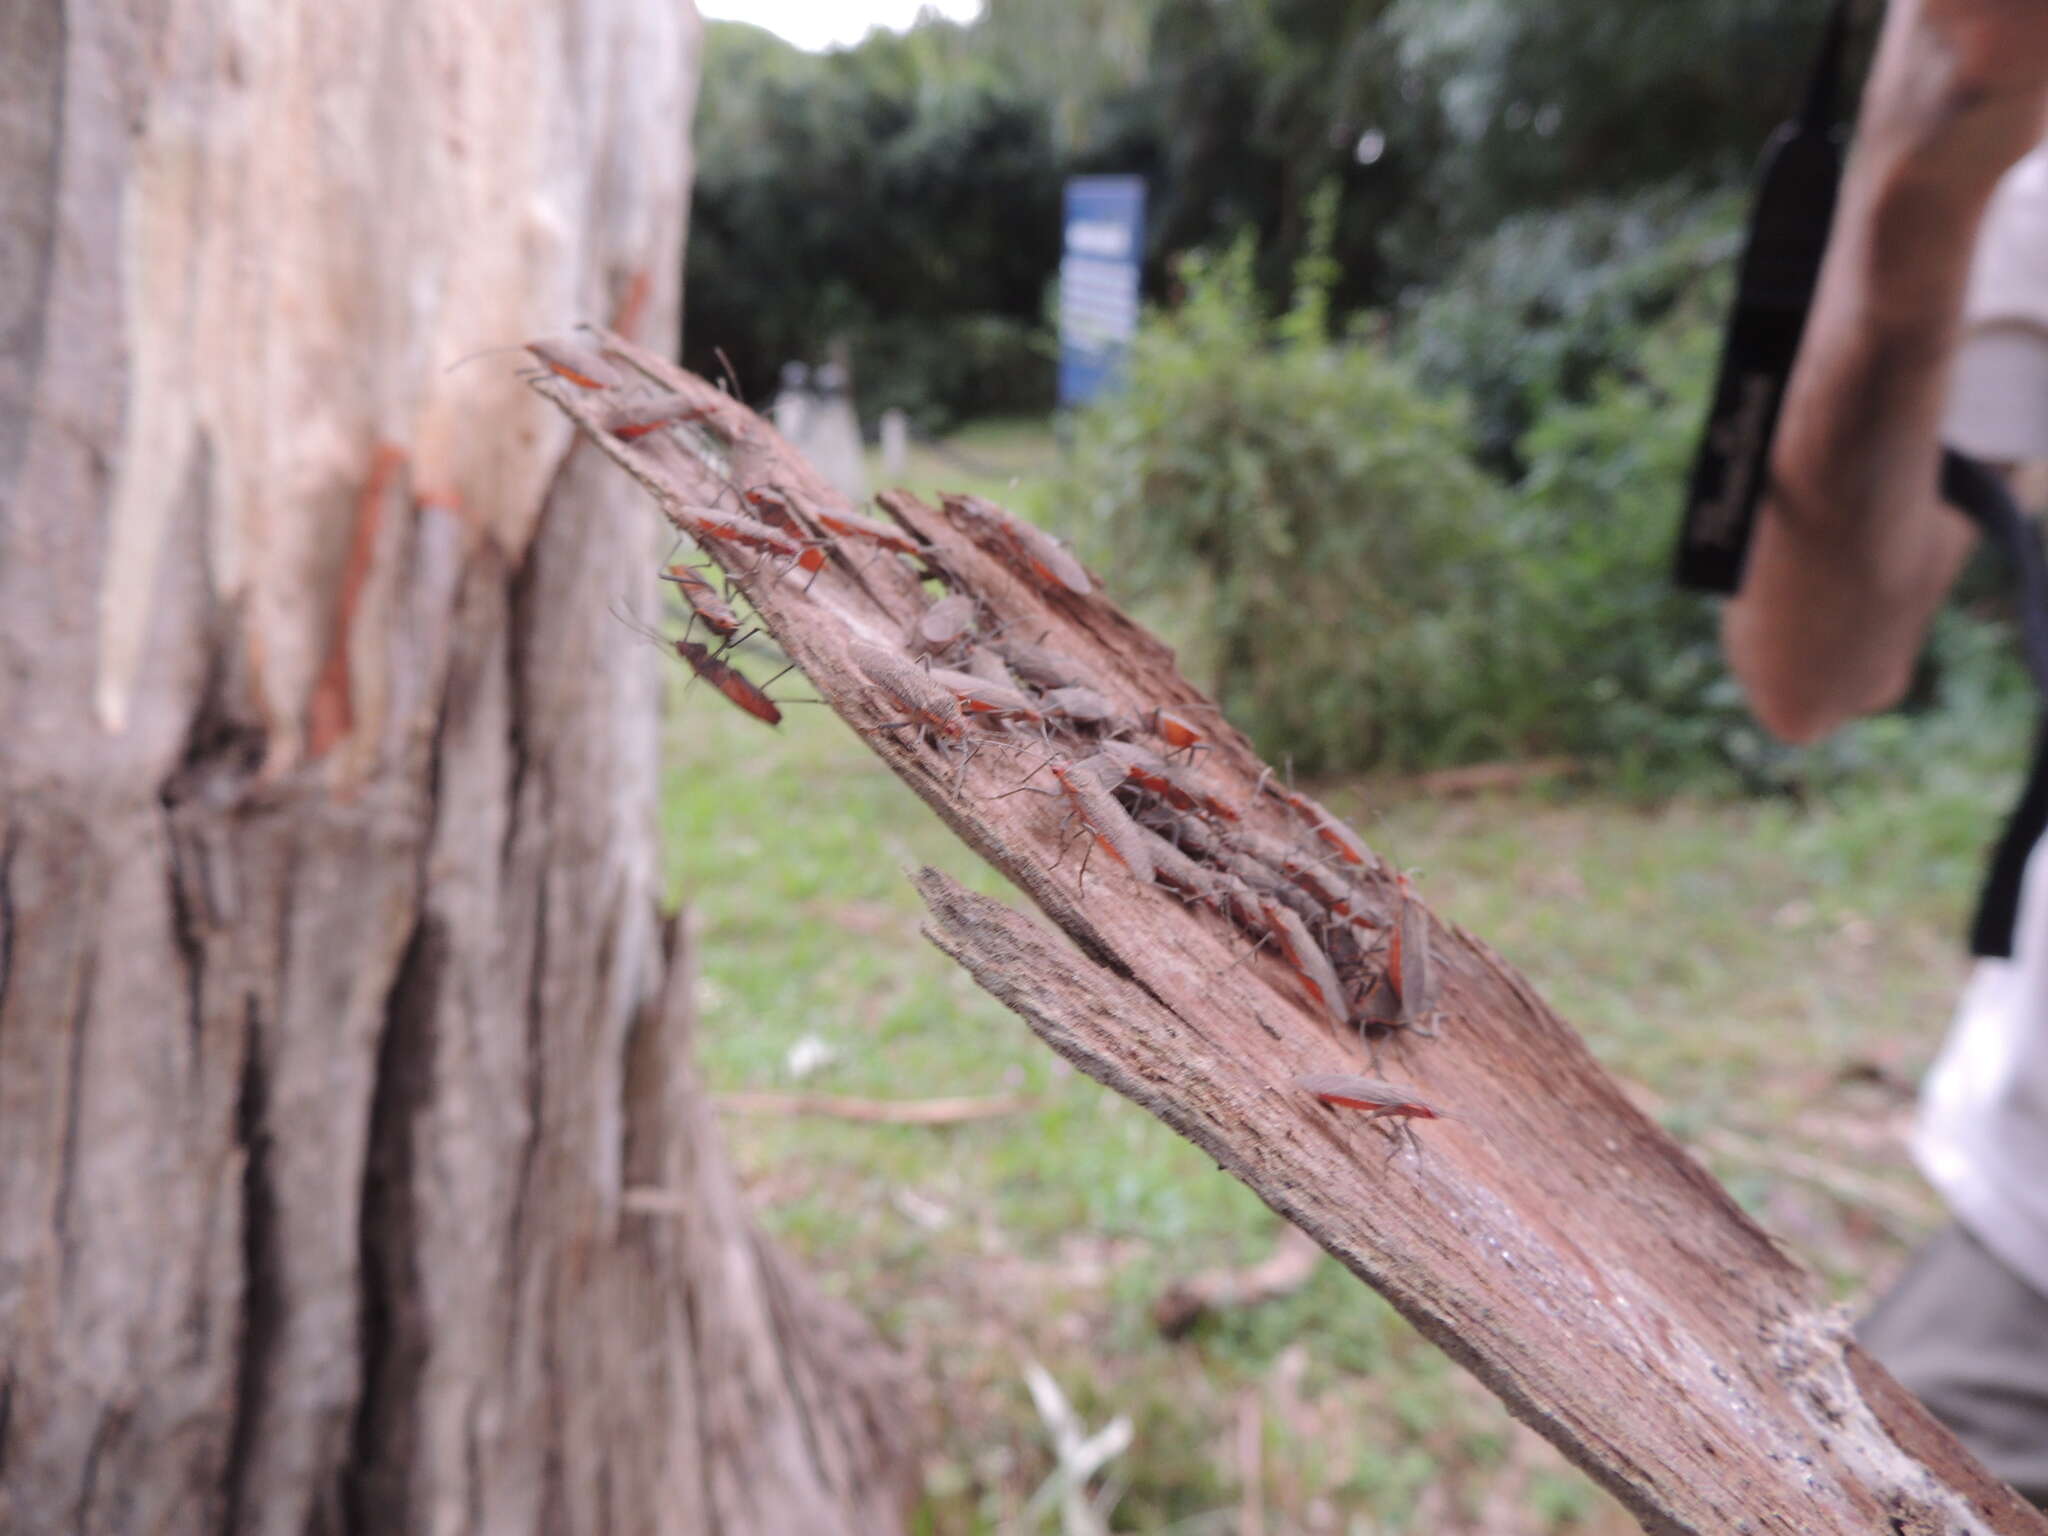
{"points": [[1551, 1237], [875, 1111], [1280, 1273]]}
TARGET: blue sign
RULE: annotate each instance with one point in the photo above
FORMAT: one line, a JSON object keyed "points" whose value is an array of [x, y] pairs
{"points": [[1099, 282]]}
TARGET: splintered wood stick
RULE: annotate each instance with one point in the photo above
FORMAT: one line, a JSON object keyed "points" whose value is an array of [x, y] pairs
{"points": [[1551, 1238]]}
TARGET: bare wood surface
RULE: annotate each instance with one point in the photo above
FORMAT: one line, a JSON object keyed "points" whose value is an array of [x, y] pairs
{"points": [[1552, 1238], [337, 1011]]}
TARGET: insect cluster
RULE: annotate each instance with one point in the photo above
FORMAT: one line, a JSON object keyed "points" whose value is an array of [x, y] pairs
{"points": [[957, 679]]}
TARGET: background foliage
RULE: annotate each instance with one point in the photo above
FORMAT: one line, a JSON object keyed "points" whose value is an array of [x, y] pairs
{"points": [[1219, 476], [1397, 467], [1400, 457], [893, 192]]}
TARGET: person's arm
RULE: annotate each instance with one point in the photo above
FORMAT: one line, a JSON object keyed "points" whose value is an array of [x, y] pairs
{"points": [[1853, 551]]}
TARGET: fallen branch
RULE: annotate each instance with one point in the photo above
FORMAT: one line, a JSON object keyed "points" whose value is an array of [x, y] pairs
{"points": [[1280, 1273], [1550, 1237], [876, 1111]]}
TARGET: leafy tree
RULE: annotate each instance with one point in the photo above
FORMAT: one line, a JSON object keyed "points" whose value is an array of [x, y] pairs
{"points": [[876, 192], [1551, 103], [1550, 303]]}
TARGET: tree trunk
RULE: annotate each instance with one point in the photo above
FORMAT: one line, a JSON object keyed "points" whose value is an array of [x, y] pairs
{"points": [[352, 1174]]}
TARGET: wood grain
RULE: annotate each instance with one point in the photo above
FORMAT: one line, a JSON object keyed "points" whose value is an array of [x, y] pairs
{"points": [[1553, 1240]]}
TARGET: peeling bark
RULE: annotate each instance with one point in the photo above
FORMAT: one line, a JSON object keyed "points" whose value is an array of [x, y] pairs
{"points": [[336, 1011]]}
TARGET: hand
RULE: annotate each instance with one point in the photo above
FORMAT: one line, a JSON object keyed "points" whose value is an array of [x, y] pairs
{"points": [[1994, 46], [1958, 93]]}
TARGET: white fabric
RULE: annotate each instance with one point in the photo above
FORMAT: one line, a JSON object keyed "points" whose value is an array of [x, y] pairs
{"points": [[1982, 1138], [2009, 273], [1998, 400]]}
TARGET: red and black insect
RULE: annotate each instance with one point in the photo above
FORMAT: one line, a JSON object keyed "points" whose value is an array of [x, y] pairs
{"points": [[1108, 823], [1042, 668], [729, 681], [1307, 958], [1155, 775], [857, 525], [945, 624], [979, 696], [704, 600], [1380, 1101], [1175, 870], [1081, 706], [1086, 786], [575, 362], [780, 508], [927, 705], [1045, 557], [1348, 845], [1175, 729], [630, 419], [1405, 997], [775, 509], [738, 528]]}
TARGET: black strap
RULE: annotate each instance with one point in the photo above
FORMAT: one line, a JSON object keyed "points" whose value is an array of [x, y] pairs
{"points": [[1781, 257], [1979, 493]]}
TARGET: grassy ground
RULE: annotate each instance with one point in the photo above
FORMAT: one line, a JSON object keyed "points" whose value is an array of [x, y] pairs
{"points": [[1772, 978]]}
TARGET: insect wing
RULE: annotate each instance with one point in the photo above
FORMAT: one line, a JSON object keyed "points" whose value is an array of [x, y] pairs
{"points": [[946, 621], [854, 525], [1351, 1091], [1102, 816], [1415, 964], [572, 361], [631, 419], [1175, 729], [1307, 957], [910, 686], [730, 682]]}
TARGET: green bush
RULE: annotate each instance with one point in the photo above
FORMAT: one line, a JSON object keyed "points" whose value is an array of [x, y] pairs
{"points": [[1622, 665], [1612, 371], [1552, 304], [1318, 509], [1363, 595]]}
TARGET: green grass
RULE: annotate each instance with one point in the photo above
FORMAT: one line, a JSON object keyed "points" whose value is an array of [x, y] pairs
{"points": [[1000, 458], [1770, 976]]}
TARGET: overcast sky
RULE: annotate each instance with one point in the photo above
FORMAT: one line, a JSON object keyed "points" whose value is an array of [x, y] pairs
{"points": [[819, 24]]}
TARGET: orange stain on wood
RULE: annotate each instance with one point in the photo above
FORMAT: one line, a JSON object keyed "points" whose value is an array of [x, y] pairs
{"points": [[633, 302], [332, 715]]}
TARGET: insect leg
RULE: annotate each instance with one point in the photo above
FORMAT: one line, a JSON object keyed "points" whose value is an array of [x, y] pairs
{"points": [[1021, 783], [1263, 941], [966, 757]]}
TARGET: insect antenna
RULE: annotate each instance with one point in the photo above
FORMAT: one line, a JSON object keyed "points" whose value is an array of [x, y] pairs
{"points": [[732, 376]]}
